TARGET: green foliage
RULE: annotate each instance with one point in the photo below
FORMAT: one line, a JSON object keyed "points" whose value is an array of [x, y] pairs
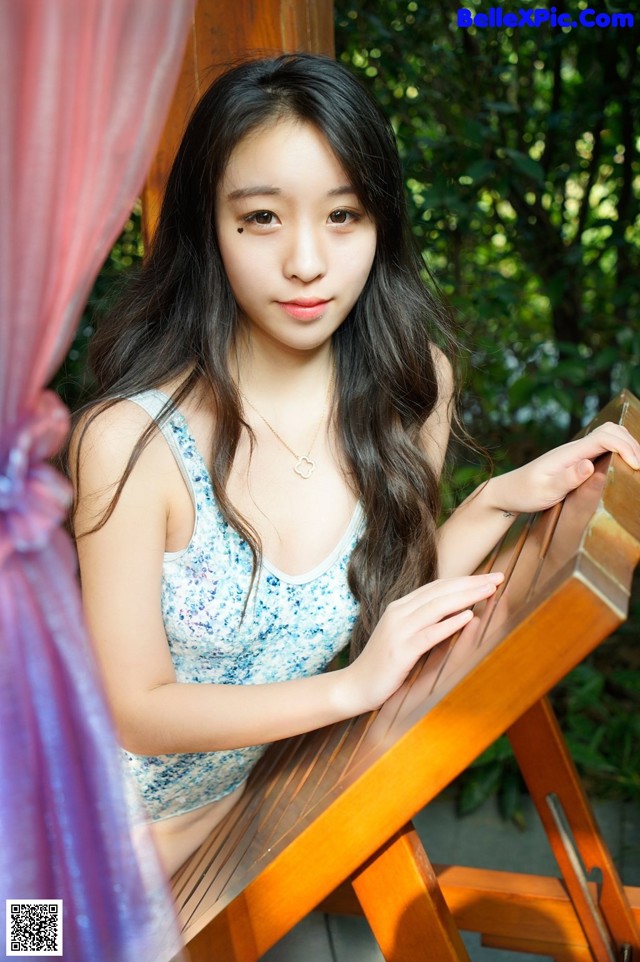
{"points": [[495, 772], [520, 148], [522, 173], [73, 381]]}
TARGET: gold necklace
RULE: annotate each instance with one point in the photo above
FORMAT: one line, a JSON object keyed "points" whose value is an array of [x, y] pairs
{"points": [[305, 465]]}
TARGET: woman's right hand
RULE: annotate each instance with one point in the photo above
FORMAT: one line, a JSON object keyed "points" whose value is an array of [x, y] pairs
{"points": [[409, 628]]}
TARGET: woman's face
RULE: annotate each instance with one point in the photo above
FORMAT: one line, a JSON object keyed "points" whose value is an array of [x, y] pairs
{"points": [[296, 243]]}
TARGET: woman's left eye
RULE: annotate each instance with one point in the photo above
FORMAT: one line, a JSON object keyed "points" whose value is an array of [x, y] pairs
{"points": [[342, 216]]}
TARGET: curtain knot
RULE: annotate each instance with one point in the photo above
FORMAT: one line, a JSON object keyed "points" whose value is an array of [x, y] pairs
{"points": [[33, 496]]}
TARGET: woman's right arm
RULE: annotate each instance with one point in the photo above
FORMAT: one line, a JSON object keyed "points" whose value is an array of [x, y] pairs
{"points": [[121, 567]]}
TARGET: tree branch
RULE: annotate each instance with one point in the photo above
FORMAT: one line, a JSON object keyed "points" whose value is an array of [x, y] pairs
{"points": [[594, 165], [548, 154], [628, 142]]}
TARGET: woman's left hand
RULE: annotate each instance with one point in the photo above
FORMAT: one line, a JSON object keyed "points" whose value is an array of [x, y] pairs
{"points": [[545, 481]]}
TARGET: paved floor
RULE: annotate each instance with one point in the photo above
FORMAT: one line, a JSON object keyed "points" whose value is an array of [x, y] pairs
{"points": [[479, 840]]}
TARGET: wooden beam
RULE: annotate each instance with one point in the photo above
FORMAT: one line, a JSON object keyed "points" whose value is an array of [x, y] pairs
{"points": [[400, 897], [578, 846], [221, 34], [507, 908], [228, 939]]}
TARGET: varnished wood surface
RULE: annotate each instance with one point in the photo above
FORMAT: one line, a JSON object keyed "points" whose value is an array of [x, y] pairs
{"points": [[607, 921], [416, 915], [223, 33], [320, 806], [498, 904]]}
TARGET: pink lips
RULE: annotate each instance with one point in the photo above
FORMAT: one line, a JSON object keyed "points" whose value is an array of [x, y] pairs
{"points": [[304, 308]]}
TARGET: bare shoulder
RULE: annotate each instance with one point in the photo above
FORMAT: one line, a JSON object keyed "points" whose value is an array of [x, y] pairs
{"points": [[100, 452], [104, 438]]}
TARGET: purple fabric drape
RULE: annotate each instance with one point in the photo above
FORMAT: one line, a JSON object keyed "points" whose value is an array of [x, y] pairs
{"points": [[84, 88]]}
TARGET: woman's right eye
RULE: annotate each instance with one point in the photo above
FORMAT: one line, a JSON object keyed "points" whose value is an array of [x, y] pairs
{"points": [[264, 218]]}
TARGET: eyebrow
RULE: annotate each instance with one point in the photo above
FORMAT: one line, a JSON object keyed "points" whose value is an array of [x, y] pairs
{"points": [[253, 192], [264, 190], [341, 191]]}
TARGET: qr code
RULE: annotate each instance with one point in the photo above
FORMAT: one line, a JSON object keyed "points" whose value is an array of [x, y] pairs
{"points": [[34, 927]]}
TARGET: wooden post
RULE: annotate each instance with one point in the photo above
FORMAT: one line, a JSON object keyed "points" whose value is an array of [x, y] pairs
{"points": [[400, 896], [221, 34]]}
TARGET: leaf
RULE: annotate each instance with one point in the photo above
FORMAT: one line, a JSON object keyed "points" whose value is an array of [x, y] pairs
{"points": [[473, 131], [479, 785], [627, 678], [634, 379], [585, 686], [575, 372], [510, 799], [500, 107], [590, 760], [604, 359], [521, 392], [499, 751], [480, 170], [526, 165]]}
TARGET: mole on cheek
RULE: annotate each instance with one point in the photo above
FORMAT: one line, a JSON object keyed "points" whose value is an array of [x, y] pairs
{"points": [[240, 229]]}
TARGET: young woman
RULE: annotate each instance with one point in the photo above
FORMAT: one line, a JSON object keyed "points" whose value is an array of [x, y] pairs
{"points": [[260, 487]]}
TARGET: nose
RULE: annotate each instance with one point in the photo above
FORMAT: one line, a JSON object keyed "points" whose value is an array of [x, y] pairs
{"points": [[305, 258]]}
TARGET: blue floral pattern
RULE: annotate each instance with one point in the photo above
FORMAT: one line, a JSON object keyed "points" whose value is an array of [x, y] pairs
{"points": [[293, 627]]}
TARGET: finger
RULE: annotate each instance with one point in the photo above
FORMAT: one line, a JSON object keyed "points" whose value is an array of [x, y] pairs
{"points": [[578, 473], [443, 606], [619, 433], [611, 437], [434, 634], [444, 587], [470, 631]]}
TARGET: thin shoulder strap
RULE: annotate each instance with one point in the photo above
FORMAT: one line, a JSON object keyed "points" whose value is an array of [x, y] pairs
{"points": [[153, 401]]}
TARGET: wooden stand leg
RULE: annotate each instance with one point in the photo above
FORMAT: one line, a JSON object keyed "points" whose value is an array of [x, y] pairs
{"points": [[227, 938], [555, 787], [401, 898], [568, 953]]}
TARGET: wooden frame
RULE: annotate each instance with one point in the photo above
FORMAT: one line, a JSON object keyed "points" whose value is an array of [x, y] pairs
{"points": [[334, 806], [221, 34]]}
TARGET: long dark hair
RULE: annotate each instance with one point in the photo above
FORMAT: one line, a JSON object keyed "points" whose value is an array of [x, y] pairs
{"points": [[179, 317]]}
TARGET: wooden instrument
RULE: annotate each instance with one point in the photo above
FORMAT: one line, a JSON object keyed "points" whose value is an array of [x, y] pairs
{"points": [[326, 817]]}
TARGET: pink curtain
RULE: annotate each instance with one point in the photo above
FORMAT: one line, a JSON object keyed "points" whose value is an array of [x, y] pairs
{"points": [[84, 88]]}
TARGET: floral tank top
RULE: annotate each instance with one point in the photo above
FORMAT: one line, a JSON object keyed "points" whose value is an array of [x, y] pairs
{"points": [[293, 626]]}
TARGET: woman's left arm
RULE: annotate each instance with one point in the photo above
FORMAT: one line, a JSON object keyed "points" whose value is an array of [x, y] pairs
{"points": [[434, 434], [467, 537]]}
